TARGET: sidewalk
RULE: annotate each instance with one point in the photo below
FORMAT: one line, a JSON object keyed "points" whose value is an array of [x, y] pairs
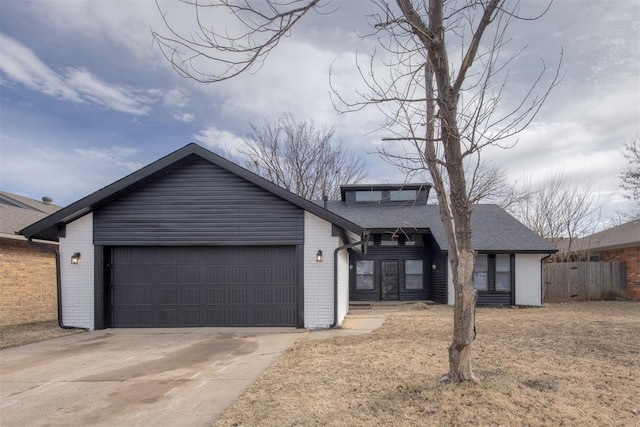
{"points": [[358, 321]]}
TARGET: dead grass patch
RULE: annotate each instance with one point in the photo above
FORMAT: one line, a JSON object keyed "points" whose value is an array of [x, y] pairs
{"points": [[14, 335], [570, 364]]}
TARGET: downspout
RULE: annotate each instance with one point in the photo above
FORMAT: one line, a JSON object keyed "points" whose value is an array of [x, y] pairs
{"points": [[58, 279], [542, 278], [335, 274]]}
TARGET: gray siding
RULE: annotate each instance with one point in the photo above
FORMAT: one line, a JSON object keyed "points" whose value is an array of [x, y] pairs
{"points": [[198, 203], [438, 277], [493, 297]]}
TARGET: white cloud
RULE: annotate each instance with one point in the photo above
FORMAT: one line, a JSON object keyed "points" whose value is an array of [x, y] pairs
{"points": [[175, 97], [112, 97], [221, 141], [184, 117], [119, 156], [77, 85], [21, 65]]}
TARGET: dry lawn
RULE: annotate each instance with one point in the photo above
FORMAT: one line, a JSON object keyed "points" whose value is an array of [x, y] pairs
{"points": [[571, 364], [14, 335]]}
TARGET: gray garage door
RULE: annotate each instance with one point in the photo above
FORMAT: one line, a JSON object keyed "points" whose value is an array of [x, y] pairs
{"points": [[202, 286]]}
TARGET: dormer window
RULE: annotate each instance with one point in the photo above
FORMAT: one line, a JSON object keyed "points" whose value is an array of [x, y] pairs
{"points": [[368, 196], [385, 194], [402, 195]]}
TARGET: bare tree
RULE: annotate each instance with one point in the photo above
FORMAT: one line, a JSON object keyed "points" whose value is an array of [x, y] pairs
{"points": [[558, 209], [301, 158], [630, 176], [445, 109]]}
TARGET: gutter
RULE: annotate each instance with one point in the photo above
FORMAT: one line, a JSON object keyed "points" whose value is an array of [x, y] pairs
{"points": [[58, 279], [363, 242]]}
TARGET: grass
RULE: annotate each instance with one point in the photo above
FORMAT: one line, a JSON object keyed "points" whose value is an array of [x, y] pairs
{"points": [[564, 364], [14, 335]]}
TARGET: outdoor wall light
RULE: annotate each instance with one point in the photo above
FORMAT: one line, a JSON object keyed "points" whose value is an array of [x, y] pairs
{"points": [[75, 258], [319, 256], [434, 266]]}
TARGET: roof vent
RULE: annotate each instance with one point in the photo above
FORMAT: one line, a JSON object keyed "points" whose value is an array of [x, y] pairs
{"points": [[47, 200]]}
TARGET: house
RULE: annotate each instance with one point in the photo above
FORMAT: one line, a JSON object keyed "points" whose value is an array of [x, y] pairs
{"points": [[195, 240], [620, 243], [407, 257], [27, 272]]}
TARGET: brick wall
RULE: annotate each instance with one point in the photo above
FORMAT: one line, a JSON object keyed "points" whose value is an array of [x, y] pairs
{"points": [[631, 256], [77, 280], [27, 283], [318, 276]]}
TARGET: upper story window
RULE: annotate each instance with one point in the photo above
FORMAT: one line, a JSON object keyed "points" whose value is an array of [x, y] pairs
{"points": [[368, 196], [402, 195], [385, 194]]}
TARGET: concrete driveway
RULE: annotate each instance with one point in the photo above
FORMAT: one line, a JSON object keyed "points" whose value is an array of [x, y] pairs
{"points": [[162, 377]]}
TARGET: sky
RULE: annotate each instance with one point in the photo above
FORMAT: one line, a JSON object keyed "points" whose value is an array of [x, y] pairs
{"points": [[87, 98]]}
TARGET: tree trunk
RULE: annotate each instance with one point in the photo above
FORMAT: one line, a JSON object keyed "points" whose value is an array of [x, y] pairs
{"points": [[464, 331]]}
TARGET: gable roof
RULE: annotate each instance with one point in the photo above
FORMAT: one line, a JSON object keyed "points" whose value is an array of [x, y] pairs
{"points": [[17, 212], [47, 229], [621, 236], [494, 230]]}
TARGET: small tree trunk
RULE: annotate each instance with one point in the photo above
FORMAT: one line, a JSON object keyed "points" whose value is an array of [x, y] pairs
{"points": [[464, 331]]}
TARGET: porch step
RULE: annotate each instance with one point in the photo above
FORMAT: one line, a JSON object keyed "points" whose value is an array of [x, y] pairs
{"points": [[374, 304], [359, 306]]}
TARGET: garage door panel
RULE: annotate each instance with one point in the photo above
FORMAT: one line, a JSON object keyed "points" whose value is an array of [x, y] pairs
{"points": [[237, 295], [167, 296], [168, 317], [138, 317], [214, 316], [206, 286]]}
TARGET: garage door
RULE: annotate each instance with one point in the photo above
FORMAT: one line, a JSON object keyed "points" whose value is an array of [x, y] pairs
{"points": [[202, 286]]}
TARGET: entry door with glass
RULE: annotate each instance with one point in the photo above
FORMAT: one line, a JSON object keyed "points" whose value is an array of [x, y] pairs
{"points": [[389, 280]]}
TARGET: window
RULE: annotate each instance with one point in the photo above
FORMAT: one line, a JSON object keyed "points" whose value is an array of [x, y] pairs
{"points": [[413, 273], [503, 272], [402, 195], [480, 273], [368, 196], [364, 274]]}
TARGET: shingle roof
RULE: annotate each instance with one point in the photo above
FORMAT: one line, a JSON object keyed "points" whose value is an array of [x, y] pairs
{"points": [[17, 212], [493, 228], [623, 235]]}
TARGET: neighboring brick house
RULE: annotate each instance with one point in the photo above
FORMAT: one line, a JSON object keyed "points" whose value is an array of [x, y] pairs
{"points": [[620, 243], [27, 273]]}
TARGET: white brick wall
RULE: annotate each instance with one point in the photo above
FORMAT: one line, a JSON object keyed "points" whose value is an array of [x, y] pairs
{"points": [[343, 284], [318, 276], [77, 280], [528, 279]]}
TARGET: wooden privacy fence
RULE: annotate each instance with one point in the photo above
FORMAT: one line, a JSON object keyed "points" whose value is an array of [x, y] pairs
{"points": [[584, 281]]}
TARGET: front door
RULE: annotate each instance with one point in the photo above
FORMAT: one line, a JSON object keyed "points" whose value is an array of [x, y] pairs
{"points": [[389, 280]]}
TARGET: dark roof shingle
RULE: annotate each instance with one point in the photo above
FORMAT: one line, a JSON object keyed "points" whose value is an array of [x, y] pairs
{"points": [[493, 228]]}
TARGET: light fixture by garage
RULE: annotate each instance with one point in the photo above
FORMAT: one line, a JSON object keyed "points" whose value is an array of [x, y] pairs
{"points": [[75, 258]]}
